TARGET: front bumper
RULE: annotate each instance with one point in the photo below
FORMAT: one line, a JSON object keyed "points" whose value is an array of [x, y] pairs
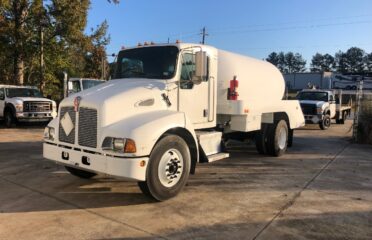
{"points": [[313, 118], [34, 116], [129, 168]]}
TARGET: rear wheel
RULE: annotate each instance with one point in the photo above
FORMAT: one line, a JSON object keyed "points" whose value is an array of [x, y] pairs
{"points": [[325, 123], [80, 173], [344, 116], [168, 168], [277, 140], [261, 139], [290, 138]]}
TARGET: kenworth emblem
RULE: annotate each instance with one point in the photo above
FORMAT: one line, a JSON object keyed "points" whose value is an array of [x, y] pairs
{"points": [[77, 103]]}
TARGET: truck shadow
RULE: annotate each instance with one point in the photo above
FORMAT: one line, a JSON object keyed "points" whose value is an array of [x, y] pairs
{"points": [[324, 225]]}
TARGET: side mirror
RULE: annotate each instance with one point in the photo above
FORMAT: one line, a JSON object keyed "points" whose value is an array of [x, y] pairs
{"points": [[2, 97], [201, 69], [69, 86]]}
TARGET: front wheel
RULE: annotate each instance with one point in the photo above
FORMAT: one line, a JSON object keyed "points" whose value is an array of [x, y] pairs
{"points": [[168, 169], [325, 123], [9, 119]]}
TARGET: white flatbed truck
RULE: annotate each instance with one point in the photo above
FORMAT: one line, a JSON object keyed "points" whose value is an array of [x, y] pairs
{"points": [[169, 107], [320, 106]]}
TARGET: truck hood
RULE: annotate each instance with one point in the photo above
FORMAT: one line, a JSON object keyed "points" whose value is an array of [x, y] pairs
{"points": [[23, 99], [118, 99], [313, 102]]}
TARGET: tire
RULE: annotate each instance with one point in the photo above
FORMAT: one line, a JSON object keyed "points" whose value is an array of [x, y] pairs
{"points": [[80, 173], [261, 139], [325, 123], [9, 119], [290, 138], [168, 169], [344, 116], [277, 140]]}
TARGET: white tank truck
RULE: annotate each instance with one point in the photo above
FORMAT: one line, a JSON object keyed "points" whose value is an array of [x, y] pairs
{"points": [[167, 108]]}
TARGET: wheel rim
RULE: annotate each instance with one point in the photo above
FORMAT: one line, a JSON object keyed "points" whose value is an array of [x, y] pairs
{"points": [[327, 122], [282, 138], [170, 168]]}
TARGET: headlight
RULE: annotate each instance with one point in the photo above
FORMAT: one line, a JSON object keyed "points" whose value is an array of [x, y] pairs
{"points": [[49, 133], [122, 145], [319, 110], [19, 107]]}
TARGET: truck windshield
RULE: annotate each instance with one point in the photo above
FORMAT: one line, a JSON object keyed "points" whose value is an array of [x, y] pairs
{"points": [[90, 83], [22, 92], [317, 96], [147, 62]]}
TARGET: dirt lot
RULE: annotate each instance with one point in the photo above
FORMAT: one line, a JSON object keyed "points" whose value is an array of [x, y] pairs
{"points": [[322, 189]]}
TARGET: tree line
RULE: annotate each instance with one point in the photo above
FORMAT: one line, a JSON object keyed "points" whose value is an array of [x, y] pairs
{"points": [[39, 40], [354, 61]]}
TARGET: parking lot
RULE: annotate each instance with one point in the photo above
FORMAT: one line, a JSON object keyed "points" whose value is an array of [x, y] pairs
{"points": [[321, 189]]}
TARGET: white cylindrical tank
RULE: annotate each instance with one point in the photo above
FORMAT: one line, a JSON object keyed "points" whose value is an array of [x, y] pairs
{"points": [[259, 81]]}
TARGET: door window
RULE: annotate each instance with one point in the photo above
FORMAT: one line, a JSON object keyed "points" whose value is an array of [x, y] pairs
{"points": [[187, 71], [75, 87], [2, 96]]}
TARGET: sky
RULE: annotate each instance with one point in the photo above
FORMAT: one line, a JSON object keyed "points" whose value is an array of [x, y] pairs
{"points": [[253, 28]]}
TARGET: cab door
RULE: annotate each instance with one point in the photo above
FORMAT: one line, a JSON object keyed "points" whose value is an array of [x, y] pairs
{"points": [[332, 105], [193, 95], [2, 101]]}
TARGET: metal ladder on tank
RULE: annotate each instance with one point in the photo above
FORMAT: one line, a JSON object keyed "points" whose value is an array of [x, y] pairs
{"points": [[358, 98]]}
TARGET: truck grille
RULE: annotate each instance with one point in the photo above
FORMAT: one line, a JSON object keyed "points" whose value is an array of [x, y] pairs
{"points": [[37, 106], [87, 127], [62, 135], [308, 109]]}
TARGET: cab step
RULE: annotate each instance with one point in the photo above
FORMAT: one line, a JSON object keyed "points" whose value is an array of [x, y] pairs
{"points": [[218, 156], [210, 146]]}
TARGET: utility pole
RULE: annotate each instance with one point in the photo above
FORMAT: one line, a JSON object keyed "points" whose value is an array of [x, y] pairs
{"points": [[204, 34], [103, 74], [42, 82]]}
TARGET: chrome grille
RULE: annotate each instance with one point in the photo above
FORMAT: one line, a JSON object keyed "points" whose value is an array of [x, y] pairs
{"points": [[87, 127], [62, 135], [308, 109], [37, 106]]}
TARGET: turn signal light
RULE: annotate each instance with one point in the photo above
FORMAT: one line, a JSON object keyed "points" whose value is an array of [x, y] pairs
{"points": [[130, 146]]}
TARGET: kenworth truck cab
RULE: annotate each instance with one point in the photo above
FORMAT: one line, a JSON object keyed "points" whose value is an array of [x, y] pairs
{"points": [[25, 104], [320, 106], [168, 108]]}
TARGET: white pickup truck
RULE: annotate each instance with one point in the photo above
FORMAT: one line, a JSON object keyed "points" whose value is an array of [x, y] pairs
{"points": [[320, 106], [24, 104], [169, 107]]}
